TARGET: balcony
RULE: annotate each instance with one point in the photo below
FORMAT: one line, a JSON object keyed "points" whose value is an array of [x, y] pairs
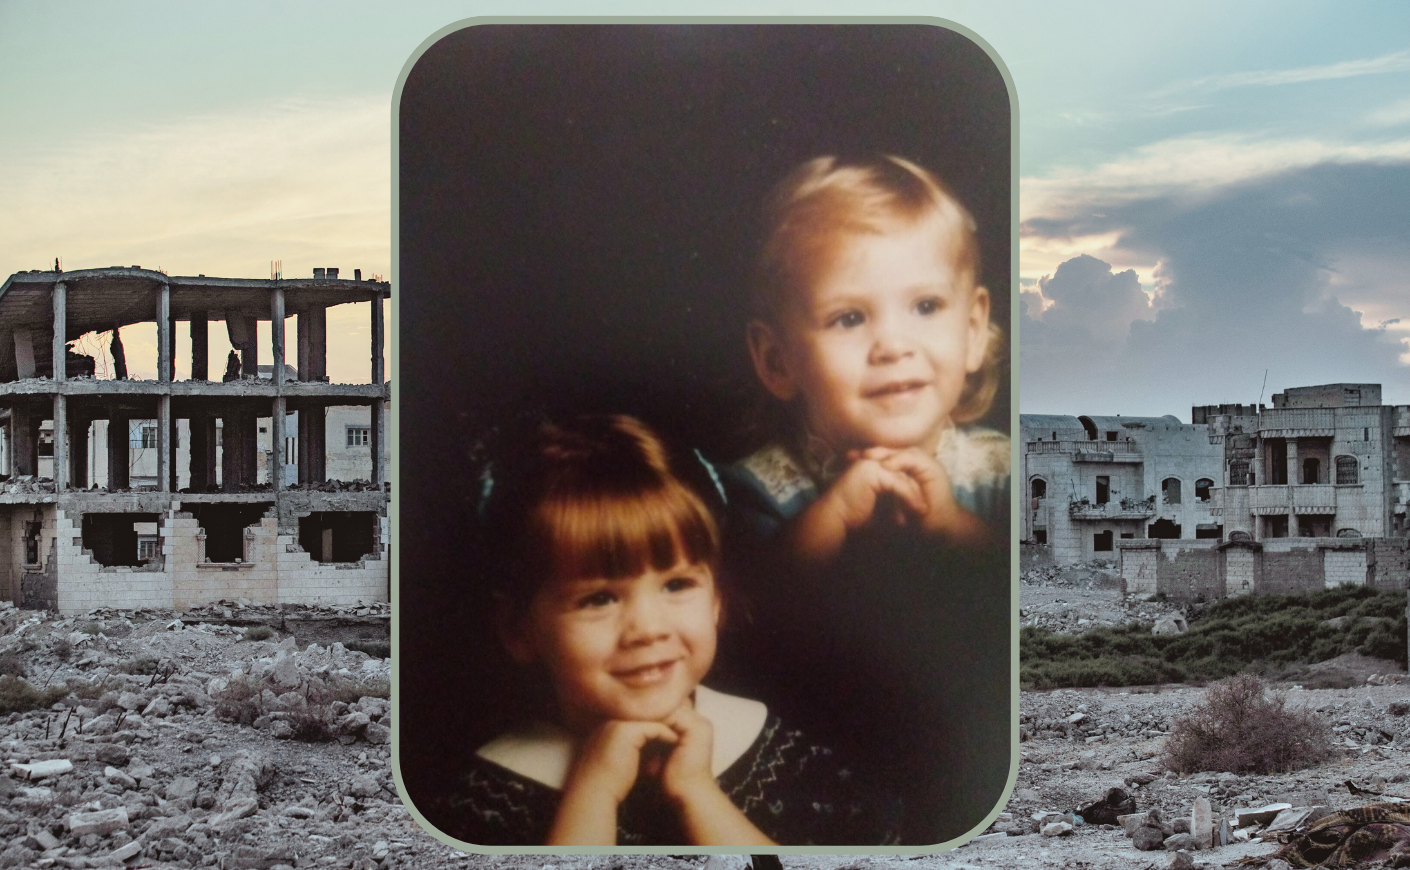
{"points": [[1278, 499], [1090, 451], [1297, 423], [1126, 509]]}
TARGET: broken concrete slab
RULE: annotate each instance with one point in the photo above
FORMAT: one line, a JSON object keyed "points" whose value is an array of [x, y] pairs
{"points": [[1259, 816], [100, 822], [41, 769]]}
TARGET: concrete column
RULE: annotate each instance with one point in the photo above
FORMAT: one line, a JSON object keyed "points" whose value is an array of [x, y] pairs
{"points": [[24, 354], [164, 343], [78, 437], [61, 367], [379, 425], [314, 334], [231, 453], [249, 444], [301, 330], [249, 353], [118, 455], [1260, 477], [61, 442], [276, 442], [198, 469], [313, 444], [200, 346], [276, 336], [164, 444], [1294, 470], [24, 452]]}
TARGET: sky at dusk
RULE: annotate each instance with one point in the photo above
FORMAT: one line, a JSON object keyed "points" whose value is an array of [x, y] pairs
{"points": [[1207, 193]]}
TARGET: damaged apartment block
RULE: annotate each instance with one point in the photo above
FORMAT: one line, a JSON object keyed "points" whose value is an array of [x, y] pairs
{"points": [[1310, 493], [167, 493]]}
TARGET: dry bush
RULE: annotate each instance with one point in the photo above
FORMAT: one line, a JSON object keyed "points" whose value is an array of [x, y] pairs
{"points": [[1240, 729], [239, 701], [12, 664], [259, 632]]}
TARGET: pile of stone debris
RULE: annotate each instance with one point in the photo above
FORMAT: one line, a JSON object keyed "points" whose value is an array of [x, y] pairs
{"points": [[177, 745]]}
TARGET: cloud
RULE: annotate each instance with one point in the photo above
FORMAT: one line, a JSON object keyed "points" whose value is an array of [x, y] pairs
{"points": [[1388, 63], [1298, 272], [1189, 167], [306, 182]]}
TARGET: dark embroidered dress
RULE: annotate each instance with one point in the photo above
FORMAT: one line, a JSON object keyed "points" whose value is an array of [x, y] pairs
{"points": [[795, 792]]}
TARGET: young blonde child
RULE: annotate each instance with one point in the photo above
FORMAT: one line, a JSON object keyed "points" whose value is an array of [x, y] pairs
{"points": [[871, 332], [866, 533], [605, 567]]}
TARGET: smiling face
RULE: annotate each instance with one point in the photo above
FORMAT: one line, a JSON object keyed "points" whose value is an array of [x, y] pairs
{"points": [[878, 344], [632, 648]]}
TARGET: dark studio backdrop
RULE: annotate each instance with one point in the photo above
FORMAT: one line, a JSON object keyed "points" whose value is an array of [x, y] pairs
{"points": [[578, 215]]}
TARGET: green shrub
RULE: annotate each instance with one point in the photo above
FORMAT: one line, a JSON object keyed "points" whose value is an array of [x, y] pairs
{"points": [[1252, 632], [18, 696], [259, 632], [61, 648], [378, 649], [12, 664], [145, 664], [92, 628], [1239, 728]]}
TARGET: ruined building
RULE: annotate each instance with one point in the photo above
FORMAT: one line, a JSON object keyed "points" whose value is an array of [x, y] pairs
{"points": [[1309, 493], [213, 517]]}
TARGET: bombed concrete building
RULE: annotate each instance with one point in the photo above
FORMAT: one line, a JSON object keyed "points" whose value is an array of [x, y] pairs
{"points": [[218, 514], [1309, 493], [1093, 481]]}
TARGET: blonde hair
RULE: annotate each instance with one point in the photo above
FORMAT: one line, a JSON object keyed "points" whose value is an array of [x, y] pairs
{"points": [[598, 497], [827, 198]]}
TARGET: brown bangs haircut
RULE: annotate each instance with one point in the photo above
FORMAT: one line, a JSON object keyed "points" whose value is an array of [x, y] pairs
{"points": [[597, 498], [819, 203]]}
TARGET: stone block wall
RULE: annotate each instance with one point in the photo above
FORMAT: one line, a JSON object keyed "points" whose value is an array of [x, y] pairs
{"points": [[1290, 566], [1241, 570], [1189, 570], [1032, 555], [304, 581], [83, 584], [1389, 561], [1138, 566], [1343, 567]]}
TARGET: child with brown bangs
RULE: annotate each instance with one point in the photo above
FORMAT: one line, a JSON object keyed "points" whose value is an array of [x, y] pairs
{"points": [[605, 565]]}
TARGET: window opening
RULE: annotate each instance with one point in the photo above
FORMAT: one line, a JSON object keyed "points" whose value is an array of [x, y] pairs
{"points": [[1103, 489], [359, 436], [1170, 490], [1202, 487], [1346, 469], [1101, 542]]}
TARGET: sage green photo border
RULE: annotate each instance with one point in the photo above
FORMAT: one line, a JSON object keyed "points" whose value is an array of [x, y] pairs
{"points": [[1014, 477]]}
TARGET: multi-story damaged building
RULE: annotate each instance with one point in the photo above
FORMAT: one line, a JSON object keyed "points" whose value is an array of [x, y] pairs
{"points": [[213, 517], [1310, 492], [1093, 481]]}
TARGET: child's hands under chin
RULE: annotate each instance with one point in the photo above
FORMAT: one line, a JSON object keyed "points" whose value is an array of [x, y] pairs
{"points": [[851, 502], [940, 514], [610, 759]]}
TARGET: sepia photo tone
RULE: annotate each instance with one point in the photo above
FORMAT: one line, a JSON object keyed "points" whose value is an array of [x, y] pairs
{"points": [[582, 226]]}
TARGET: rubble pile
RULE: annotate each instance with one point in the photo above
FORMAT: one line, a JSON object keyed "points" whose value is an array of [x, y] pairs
{"points": [[1078, 598], [151, 759]]}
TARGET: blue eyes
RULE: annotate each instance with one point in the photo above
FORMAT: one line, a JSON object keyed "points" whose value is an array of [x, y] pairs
{"points": [[852, 318]]}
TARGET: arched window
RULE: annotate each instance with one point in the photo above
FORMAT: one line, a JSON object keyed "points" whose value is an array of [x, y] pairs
{"points": [[1040, 488], [1202, 487], [1170, 490], [1347, 467], [1238, 472]]}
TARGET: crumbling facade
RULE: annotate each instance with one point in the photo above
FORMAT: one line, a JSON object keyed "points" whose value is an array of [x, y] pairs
{"points": [[1309, 493], [215, 518]]}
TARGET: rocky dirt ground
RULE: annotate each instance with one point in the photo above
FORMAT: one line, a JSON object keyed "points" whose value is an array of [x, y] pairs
{"points": [[178, 748]]}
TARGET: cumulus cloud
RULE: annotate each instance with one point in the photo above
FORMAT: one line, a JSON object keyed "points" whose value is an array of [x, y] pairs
{"points": [[1299, 272]]}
